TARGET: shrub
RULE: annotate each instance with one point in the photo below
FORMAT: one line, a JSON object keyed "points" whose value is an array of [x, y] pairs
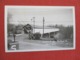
{"points": [[36, 36]]}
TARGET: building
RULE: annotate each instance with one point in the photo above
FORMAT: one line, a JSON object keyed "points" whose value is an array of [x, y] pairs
{"points": [[48, 32]]}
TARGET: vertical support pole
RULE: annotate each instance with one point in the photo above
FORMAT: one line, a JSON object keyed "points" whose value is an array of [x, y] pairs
{"points": [[34, 24], [14, 35], [43, 26]]}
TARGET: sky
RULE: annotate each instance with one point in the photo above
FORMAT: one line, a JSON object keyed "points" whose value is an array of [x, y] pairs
{"points": [[52, 15]]}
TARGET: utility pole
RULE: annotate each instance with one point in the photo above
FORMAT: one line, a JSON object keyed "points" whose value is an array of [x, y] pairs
{"points": [[43, 26], [14, 33], [34, 23]]}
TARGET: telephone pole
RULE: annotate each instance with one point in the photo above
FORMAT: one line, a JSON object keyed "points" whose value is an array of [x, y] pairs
{"points": [[34, 24], [43, 26]]}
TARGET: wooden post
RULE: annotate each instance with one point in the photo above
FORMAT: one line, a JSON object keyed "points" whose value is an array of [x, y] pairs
{"points": [[34, 24], [43, 26]]}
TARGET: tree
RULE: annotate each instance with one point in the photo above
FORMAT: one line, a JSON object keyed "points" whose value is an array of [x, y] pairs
{"points": [[59, 36], [9, 26], [65, 33]]}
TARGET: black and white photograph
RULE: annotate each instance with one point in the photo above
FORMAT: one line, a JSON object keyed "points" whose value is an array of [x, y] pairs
{"points": [[39, 28]]}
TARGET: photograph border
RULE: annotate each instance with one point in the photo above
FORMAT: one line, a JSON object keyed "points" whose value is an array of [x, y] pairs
{"points": [[15, 6]]}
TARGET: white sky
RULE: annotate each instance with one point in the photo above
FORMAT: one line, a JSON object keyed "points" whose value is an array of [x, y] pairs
{"points": [[52, 15]]}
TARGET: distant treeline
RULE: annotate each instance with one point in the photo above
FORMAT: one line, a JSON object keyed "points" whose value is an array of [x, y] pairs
{"points": [[65, 32]]}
